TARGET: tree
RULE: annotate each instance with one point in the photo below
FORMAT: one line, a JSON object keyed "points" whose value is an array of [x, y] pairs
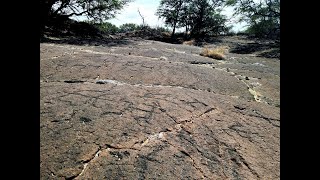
{"points": [[97, 10], [107, 27], [170, 10], [262, 16], [200, 17], [206, 18], [185, 18], [128, 27], [214, 24]]}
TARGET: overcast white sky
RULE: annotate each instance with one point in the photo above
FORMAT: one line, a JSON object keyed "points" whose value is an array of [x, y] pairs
{"points": [[148, 8]]}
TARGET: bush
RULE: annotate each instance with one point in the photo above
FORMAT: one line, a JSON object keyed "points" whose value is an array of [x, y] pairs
{"points": [[107, 27], [128, 27], [231, 33], [265, 29], [242, 33], [84, 29], [144, 27], [162, 29]]}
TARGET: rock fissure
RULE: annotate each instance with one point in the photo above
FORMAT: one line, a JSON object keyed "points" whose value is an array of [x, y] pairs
{"points": [[188, 155], [87, 162]]}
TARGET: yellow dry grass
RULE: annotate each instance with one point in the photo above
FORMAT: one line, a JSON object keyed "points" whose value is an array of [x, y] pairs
{"points": [[216, 53], [166, 34], [191, 42]]}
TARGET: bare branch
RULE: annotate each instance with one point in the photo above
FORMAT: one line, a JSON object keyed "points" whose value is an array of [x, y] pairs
{"points": [[141, 17]]}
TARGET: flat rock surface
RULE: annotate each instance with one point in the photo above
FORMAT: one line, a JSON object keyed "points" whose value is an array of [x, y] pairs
{"points": [[150, 110]]}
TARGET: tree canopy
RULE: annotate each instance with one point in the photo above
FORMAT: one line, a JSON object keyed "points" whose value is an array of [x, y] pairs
{"points": [[171, 10], [206, 18], [263, 17], [97, 10], [199, 17]]}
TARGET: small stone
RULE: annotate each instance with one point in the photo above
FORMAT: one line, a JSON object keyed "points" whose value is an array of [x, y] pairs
{"points": [[163, 58], [84, 119], [160, 135]]}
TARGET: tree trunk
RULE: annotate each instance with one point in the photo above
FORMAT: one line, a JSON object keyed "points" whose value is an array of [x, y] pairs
{"points": [[173, 31], [186, 34]]}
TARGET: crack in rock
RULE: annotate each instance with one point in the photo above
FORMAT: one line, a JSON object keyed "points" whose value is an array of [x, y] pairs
{"points": [[107, 147], [251, 86], [248, 166], [106, 81], [109, 81], [188, 155], [74, 81], [87, 162]]}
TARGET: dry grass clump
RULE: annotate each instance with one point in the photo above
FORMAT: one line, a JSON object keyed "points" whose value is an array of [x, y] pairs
{"points": [[216, 53], [191, 42], [166, 34]]}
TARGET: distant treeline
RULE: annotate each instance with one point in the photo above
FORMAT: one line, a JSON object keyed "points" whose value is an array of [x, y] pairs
{"points": [[198, 18]]}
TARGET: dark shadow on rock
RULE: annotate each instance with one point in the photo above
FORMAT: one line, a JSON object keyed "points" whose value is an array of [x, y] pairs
{"points": [[253, 47], [211, 40], [62, 30], [275, 53], [86, 41], [180, 38], [271, 49]]}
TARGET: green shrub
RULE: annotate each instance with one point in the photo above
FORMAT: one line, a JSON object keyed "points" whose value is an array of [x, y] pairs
{"points": [[162, 29], [128, 27], [144, 27], [107, 28], [265, 28]]}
